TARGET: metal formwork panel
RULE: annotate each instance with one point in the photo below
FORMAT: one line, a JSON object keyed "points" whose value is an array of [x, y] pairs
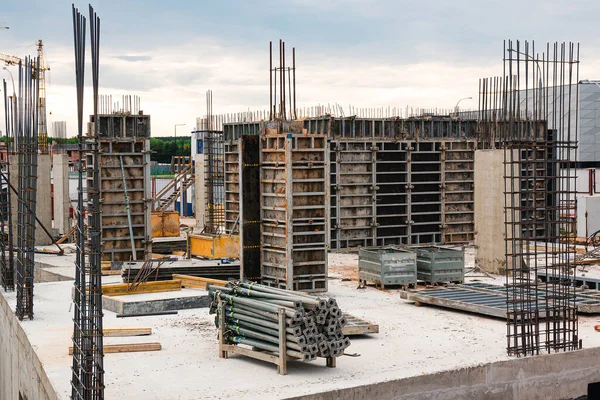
{"points": [[133, 157], [232, 186], [458, 193], [353, 188], [121, 126], [425, 198], [294, 192], [392, 189]]}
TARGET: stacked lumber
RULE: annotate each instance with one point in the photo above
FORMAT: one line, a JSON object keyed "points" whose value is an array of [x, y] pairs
{"points": [[198, 268]]}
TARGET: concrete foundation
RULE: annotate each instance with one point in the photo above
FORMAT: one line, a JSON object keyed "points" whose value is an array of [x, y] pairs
{"points": [[43, 197], [22, 375], [556, 376], [62, 202]]}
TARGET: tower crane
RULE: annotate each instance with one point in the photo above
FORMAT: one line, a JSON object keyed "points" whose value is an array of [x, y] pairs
{"points": [[42, 125]]}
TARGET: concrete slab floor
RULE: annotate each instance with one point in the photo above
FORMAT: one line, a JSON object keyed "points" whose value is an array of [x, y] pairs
{"points": [[412, 341]]}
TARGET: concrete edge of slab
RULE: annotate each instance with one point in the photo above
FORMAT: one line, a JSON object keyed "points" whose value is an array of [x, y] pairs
{"points": [[148, 306], [553, 376], [43, 273], [21, 371]]}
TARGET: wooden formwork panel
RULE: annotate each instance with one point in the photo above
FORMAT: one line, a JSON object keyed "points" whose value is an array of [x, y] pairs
{"points": [[458, 191], [352, 207], [294, 196], [116, 240]]}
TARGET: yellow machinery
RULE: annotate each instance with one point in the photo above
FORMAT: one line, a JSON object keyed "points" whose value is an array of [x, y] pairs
{"points": [[214, 247], [42, 126]]}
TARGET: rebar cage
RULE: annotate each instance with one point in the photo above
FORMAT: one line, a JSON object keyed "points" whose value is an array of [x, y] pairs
{"points": [[531, 114]]}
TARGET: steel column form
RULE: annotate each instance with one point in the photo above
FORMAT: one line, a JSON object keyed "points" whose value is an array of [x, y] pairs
{"points": [[458, 195], [118, 230], [294, 192]]}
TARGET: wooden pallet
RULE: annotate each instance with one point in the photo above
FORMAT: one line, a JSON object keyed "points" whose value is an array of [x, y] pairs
{"points": [[357, 326]]}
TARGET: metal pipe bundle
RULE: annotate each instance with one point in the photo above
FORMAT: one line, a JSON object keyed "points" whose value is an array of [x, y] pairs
{"points": [[251, 311]]}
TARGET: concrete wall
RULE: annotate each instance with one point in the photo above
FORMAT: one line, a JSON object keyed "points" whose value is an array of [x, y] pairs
{"points": [[556, 376], [43, 200], [490, 241], [62, 202], [21, 371], [489, 210]]}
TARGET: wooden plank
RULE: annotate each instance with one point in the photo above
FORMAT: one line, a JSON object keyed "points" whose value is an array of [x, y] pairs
{"points": [[110, 273], [121, 289], [197, 282], [259, 355], [357, 326], [128, 347], [124, 332], [62, 239]]}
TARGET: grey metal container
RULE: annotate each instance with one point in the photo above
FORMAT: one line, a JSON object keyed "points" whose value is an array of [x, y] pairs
{"points": [[440, 265], [387, 266]]}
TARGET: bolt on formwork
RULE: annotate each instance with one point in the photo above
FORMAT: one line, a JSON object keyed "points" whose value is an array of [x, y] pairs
{"points": [[528, 112]]}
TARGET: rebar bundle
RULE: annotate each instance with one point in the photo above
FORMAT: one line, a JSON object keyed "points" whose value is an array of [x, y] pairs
{"points": [[26, 139], [87, 380], [531, 114], [7, 273], [313, 325], [287, 90]]}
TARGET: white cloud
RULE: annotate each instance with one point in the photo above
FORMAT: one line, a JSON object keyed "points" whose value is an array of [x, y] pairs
{"points": [[172, 81]]}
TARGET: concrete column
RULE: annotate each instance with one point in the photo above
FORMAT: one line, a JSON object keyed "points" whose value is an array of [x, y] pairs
{"points": [[43, 199], [62, 202], [200, 191], [489, 211]]}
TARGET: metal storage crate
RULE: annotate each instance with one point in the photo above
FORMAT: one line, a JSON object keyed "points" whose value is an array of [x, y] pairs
{"points": [[440, 265], [387, 266]]}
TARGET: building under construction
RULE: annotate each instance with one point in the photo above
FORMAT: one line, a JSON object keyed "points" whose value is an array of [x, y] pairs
{"points": [[342, 223]]}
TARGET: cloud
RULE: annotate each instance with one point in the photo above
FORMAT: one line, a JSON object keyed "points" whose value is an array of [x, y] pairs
{"points": [[368, 53], [134, 58]]}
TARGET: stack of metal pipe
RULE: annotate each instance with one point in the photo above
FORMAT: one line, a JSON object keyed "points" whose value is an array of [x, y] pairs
{"points": [[313, 325]]}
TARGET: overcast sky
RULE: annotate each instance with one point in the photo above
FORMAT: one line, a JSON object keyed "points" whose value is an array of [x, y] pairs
{"points": [[368, 53]]}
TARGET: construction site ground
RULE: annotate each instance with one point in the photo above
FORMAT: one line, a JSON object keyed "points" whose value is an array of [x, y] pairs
{"points": [[412, 340]]}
